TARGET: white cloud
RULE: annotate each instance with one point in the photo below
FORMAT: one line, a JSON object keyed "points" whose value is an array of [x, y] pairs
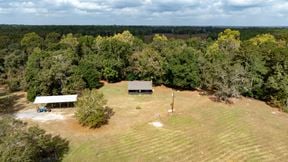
{"points": [[166, 12], [246, 2], [24, 4], [83, 5]]}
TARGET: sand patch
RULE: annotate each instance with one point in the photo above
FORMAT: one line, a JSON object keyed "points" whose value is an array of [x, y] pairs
{"points": [[42, 117], [156, 124]]}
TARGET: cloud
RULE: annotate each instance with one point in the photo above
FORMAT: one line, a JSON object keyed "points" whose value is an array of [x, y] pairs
{"points": [[246, 3], [146, 12], [120, 4], [22, 7], [77, 4]]}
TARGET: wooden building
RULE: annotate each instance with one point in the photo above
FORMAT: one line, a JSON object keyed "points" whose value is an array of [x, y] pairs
{"points": [[138, 87]]}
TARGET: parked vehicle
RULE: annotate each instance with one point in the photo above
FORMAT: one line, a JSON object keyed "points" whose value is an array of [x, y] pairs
{"points": [[43, 109]]}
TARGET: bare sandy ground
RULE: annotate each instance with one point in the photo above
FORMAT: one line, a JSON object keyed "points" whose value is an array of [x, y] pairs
{"points": [[31, 114]]}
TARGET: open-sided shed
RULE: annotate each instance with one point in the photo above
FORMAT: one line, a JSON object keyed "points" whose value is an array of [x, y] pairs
{"points": [[55, 99], [140, 87]]}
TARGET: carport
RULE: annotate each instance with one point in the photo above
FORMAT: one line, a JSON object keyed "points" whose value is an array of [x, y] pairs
{"points": [[59, 99]]}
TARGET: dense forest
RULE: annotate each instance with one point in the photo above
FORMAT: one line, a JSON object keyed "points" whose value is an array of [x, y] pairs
{"points": [[14, 33], [50, 60]]}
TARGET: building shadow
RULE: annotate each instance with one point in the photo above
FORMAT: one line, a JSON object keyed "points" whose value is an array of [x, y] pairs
{"points": [[60, 105]]}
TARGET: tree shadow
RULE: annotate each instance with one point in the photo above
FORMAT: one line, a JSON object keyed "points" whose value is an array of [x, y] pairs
{"points": [[108, 113], [56, 150], [100, 84], [8, 103], [211, 95], [206, 92], [178, 88], [3, 94], [276, 105]]}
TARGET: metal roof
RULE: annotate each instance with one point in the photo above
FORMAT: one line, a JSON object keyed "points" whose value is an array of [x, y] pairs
{"points": [[140, 85], [55, 99]]}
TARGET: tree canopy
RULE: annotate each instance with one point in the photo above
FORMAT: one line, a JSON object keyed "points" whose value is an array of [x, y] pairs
{"points": [[20, 143], [226, 63]]}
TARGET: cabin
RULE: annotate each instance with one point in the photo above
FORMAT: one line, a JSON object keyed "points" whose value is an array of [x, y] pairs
{"points": [[140, 87], [59, 100]]}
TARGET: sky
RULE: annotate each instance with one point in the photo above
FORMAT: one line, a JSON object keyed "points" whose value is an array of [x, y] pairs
{"points": [[145, 12]]}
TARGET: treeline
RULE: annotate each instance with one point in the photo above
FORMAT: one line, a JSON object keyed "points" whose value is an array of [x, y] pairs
{"points": [[228, 66], [14, 33]]}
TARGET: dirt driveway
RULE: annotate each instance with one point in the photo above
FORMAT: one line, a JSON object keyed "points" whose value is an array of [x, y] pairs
{"points": [[54, 115]]}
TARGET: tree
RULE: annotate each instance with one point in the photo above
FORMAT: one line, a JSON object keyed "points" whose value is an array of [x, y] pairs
{"points": [[182, 69], [53, 73], [2, 64], [230, 81], [159, 42], [224, 76], [263, 38], [88, 68], [91, 110], [87, 40], [158, 37], [69, 41], [110, 74], [147, 65], [126, 37], [276, 87], [14, 69], [18, 143], [198, 44], [253, 60], [52, 39], [115, 56], [228, 42], [221, 71], [31, 41], [4, 41], [86, 44], [32, 74]]}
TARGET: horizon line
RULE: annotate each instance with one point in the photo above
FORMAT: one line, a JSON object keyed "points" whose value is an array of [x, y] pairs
{"points": [[145, 25]]}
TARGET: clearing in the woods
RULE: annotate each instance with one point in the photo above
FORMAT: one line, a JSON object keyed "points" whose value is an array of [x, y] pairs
{"points": [[199, 130]]}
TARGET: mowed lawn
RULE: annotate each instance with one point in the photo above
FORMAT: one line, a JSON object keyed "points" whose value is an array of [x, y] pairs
{"points": [[199, 130]]}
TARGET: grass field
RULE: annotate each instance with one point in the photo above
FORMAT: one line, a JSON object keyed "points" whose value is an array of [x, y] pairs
{"points": [[200, 130]]}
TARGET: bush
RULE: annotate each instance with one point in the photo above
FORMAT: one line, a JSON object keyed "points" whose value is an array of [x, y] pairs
{"points": [[91, 110], [20, 143]]}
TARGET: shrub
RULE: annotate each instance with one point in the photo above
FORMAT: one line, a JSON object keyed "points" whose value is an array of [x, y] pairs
{"points": [[91, 110]]}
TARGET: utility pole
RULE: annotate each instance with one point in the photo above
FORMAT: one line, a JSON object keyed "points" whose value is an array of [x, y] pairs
{"points": [[172, 104]]}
